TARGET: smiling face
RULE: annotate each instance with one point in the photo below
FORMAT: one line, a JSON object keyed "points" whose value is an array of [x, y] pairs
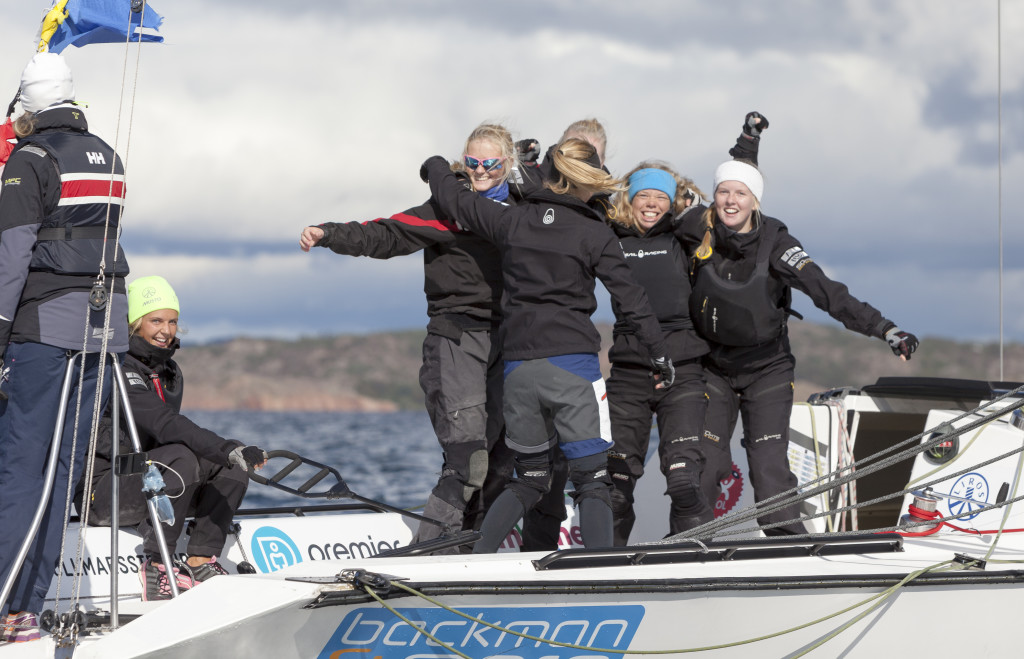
{"points": [[648, 207], [735, 205], [481, 178], [159, 327]]}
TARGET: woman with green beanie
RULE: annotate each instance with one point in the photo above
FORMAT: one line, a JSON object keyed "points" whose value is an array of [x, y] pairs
{"points": [[205, 474]]}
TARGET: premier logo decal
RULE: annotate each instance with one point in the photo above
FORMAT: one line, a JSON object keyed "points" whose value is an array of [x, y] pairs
{"points": [[273, 550], [378, 633]]}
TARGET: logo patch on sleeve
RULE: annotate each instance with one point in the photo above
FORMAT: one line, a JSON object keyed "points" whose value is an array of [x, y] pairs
{"points": [[796, 257], [134, 379]]}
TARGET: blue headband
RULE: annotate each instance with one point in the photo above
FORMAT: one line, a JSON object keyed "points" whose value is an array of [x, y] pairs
{"points": [[652, 179]]}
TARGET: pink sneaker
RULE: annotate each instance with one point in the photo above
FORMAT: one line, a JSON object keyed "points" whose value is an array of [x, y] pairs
{"points": [[20, 627], [155, 585], [204, 571]]}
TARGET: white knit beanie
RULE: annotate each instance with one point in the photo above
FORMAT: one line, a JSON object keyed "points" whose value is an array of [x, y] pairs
{"points": [[46, 81], [734, 170]]}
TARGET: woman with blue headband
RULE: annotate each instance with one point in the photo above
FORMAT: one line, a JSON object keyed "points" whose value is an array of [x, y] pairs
{"points": [[643, 217]]}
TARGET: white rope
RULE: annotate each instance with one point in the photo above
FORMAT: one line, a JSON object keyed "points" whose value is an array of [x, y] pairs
{"points": [[836, 478], [101, 278]]}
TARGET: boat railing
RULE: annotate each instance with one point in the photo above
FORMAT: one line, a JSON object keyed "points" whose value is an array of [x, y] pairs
{"points": [[736, 550]]}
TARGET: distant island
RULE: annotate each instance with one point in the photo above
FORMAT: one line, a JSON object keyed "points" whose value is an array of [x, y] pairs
{"points": [[379, 372]]}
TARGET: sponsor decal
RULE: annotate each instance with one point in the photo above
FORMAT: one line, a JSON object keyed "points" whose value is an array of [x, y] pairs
{"points": [[95, 158], [712, 436], [732, 489], [14, 180], [971, 486], [714, 320], [549, 216], [273, 550], [102, 565], [765, 438], [378, 633]]}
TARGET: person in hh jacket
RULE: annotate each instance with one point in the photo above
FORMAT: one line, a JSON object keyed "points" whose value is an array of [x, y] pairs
{"points": [[553, 248], [461, 373], [746, 264], [205, 474], [63, 189]]}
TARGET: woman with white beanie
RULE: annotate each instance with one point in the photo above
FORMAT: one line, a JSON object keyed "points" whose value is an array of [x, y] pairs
{"points": [[60, 205], [745, 265]]}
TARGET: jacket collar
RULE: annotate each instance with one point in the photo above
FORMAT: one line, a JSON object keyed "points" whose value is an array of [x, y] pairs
{"points": [[149, 354], [65, 116]]}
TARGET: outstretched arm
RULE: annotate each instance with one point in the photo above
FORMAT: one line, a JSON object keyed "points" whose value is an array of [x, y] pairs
{"points": [[398, 235], [796, 268]]}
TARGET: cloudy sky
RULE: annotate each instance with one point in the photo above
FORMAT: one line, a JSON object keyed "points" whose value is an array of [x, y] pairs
{"points": [[257, 118]]}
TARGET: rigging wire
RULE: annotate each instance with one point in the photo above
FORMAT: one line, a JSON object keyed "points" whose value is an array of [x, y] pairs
{"points": [[999, 148], [93, 436]]}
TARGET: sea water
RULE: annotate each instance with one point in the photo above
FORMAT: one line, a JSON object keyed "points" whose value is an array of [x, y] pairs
{"points": [[391, 457]]}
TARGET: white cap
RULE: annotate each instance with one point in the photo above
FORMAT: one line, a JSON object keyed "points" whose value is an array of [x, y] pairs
{"points": [[46, 81], [734, 170]]}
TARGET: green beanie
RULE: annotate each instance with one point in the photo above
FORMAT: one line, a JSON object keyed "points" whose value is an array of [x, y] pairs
{"points": [[147, 294]]}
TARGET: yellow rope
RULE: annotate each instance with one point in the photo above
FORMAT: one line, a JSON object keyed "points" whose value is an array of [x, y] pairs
{"points": [[882, 596]]}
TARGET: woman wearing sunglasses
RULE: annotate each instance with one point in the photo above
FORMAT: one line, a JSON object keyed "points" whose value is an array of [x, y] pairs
{"points": [[461, 373], [553, 247]]}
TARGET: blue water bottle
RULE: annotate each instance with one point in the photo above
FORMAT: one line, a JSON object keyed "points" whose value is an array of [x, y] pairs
{"points": [[153, 486]]}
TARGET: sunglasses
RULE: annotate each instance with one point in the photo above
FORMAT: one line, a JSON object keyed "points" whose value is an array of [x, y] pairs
{"points": [[488, 164]]}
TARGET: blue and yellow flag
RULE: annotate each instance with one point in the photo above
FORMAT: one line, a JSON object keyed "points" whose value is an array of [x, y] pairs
{"points": [[81, 22]]}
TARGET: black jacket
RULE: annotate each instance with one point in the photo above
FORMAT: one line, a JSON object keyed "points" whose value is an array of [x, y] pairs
{"points": [[53, 208], [552, 249], [659, 265], [157, 411], [734, 258], [461, 271]]}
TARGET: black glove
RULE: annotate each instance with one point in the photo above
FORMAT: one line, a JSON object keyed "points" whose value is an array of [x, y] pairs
{"points": [[752, 127], [664, 370], [247, 457], [425, 167], [903, 344], [529, 151]]}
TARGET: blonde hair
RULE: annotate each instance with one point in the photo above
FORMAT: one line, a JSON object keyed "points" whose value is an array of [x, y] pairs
{"points": [[575, 173], [25, 125], [687, 193], [591, 131], [500, 137]]}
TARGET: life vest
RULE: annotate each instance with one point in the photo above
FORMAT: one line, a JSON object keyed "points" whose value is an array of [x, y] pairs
{"points": [[740, 313], [659, 266], [71, 238]]}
